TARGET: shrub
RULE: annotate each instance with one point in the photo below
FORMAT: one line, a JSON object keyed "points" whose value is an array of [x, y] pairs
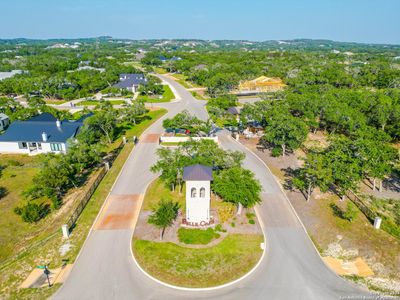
{"points": [[390, 227], [396, 213], [250, 215], [233, 224], [276, 152], [32, 212], [351, 212], [197, 236], [251, 221], [3, 192], [226, 212], [14, 163], [219, 228]]}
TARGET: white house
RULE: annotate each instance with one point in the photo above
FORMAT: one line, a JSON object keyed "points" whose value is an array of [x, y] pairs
{"points": [[4, 121], [198, 178], [40, 134]]}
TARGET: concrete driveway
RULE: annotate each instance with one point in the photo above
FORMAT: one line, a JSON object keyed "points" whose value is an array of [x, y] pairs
{"points": [[292, 269]]}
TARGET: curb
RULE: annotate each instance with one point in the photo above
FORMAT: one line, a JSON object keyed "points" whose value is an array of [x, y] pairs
{"points": [[176, 94], [263, 256], [302, 225], [210, 288], [101, 211]]}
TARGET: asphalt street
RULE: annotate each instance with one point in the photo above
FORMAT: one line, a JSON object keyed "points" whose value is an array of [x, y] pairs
{"points": [[291, 268]]}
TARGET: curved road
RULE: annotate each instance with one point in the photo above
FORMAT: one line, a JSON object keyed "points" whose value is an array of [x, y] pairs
{"points": [[291, 269]]}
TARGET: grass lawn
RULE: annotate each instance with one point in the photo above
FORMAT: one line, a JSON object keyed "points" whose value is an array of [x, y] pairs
{"points": [[157, 191], [55, 101], [171, 144], [152, 116], [97, 102], [160, 71], [180, 78], [46, 251], [129, 130], [167, 96], [15, 179], [232, 258], [197, 236], [197, 95]]}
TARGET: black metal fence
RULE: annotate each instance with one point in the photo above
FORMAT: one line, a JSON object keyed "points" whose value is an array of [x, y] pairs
{"points": [[88, 194], [85, 199], [369, 213]]}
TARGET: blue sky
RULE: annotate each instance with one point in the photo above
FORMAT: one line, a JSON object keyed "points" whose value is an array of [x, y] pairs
{"points": [[375, 21]]}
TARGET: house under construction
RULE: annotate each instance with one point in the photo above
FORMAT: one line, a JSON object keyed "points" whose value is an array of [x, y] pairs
{"points": [[261, 84]]}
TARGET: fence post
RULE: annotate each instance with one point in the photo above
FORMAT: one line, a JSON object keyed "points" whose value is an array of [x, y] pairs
{"points": [[377, 222], [65, 231]]}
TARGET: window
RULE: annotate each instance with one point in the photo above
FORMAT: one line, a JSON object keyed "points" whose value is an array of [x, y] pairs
{"points": [[39, 145], [55, 147], [193, 192], [22, 145], [202, 192]]}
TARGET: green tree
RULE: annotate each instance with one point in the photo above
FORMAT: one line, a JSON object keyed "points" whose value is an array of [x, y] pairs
{"points": [[133, 112], [164, 215], [185, 120], [55, 176], [285, 131], [239, 186], [171, 164], [314, 173], [376, 153], [83, 156], [207, 152], [102, 123], [152, 87], [345, 162]]}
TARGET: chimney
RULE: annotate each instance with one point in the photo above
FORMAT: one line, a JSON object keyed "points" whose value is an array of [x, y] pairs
{"points": [[58, 123], [44, 136]]}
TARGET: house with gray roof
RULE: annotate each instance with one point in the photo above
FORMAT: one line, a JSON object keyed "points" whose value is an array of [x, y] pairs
{"points": [[41, 134], [4, 121], [131, 82]]}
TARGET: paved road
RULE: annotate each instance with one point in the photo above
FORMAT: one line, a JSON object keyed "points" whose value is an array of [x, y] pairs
{"points": [[292, 269]]}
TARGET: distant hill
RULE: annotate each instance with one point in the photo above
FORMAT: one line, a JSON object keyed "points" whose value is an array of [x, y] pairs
{"points": [[196, 44]]}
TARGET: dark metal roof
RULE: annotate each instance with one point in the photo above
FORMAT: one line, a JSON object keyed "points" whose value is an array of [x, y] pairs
{"points": [[45, 117], [197, 172], [234, 110], [129, 80], [32, 129]]}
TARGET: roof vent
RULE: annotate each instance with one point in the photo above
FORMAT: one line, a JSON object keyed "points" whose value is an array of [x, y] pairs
{"points": [[58, 123], [44, 136]]}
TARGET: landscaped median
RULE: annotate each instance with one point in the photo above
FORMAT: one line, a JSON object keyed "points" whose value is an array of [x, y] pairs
{"points": [[97, 102], [166, 96], [196, 257], [232, 258]]}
